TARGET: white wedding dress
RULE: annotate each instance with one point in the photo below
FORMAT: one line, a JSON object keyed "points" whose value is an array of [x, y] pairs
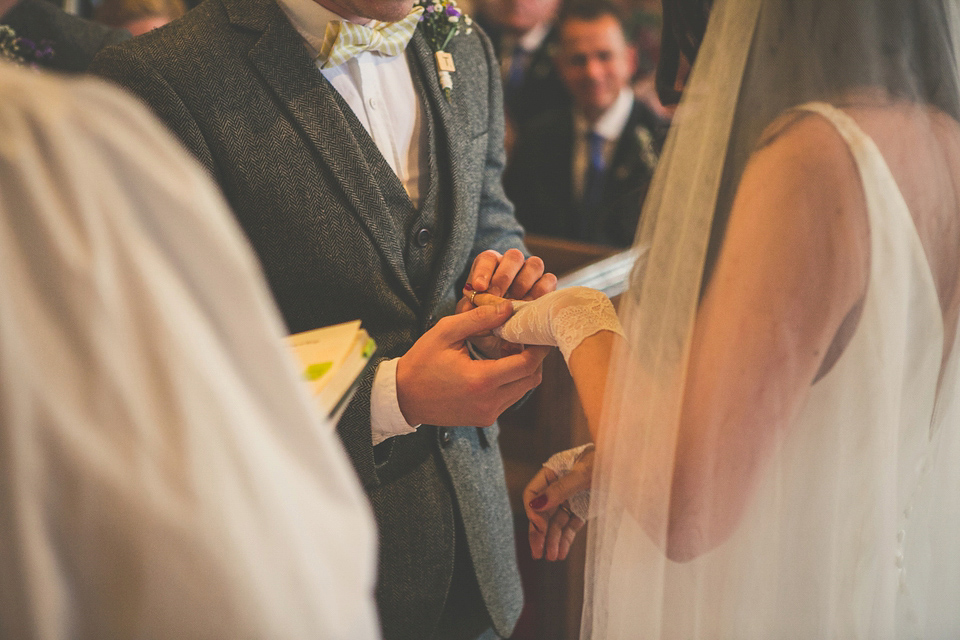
{"points": [[854, 530]]}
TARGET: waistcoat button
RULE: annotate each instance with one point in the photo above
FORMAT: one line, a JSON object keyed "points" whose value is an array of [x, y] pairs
{"points": [[423, 236], [445, 436]]}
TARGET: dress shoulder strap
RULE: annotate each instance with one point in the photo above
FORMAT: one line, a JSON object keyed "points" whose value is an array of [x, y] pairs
{"points": [[846, 126], [884, 198]]}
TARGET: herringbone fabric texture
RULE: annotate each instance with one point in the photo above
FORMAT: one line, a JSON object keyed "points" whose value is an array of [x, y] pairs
{"points": [[344, 40], [235, 82]]}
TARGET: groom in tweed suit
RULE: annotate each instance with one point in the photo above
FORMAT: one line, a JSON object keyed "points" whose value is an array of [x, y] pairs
{"points": [[347, 227]]}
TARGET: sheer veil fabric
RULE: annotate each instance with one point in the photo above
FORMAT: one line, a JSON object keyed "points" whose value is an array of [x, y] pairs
{"points": [[843, 521]]}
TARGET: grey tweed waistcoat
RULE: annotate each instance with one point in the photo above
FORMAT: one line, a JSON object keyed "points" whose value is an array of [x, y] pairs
{"points": [[424, 229]]}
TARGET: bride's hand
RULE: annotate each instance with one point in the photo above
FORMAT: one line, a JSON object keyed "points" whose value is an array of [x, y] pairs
{"points": [[486, 343], [553, 525], [563, 318]]}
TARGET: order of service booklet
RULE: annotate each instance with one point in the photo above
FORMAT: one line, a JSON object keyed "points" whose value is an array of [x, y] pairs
{"points": [[332, 359]]}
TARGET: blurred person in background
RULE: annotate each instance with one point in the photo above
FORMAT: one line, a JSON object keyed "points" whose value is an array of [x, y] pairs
{"points": [[581, 171], [139, 16], [643, 22], [524, 36]]}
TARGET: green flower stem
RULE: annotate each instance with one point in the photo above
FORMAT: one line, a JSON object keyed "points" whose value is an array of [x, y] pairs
{"points": [[450, 35]]}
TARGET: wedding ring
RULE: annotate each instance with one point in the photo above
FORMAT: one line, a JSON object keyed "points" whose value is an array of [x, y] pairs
{"points": [[473, 294], [567, 511]]}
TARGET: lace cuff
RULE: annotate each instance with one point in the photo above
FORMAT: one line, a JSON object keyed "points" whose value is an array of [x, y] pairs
{"points": [[577, 323], [561, 463], [561, 319]]}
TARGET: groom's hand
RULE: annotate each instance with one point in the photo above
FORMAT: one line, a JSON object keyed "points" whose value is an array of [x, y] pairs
{"points": [[508, 276], [439, 383]]}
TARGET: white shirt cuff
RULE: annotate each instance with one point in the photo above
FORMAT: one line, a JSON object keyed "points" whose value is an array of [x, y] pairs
{"points": [[386, 419]]}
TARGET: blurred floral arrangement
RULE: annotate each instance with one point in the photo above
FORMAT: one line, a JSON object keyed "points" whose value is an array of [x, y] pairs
{"points": [[23, 50], [440, 21]]}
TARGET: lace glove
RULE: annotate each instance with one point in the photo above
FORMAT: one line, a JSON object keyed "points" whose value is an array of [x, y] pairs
{"points": [[561, 463], [561, 319]]}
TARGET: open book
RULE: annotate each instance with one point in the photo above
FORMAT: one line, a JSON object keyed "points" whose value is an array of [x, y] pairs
{"points": [[332, 360]]}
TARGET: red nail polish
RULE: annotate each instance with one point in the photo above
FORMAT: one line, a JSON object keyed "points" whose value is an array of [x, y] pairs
{"points": [[468, 287], [539, 502]]}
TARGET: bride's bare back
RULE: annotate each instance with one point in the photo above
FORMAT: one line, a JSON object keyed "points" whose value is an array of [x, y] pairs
{"points": [[922, 148]]}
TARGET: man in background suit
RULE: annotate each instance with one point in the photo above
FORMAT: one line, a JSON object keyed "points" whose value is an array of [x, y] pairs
{"points": [[524, 36], [582, 172], [74, 41], [367, 193]]}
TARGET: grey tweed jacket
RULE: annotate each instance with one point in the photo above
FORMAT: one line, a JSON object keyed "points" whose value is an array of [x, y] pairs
{"points": [[234, 81]]}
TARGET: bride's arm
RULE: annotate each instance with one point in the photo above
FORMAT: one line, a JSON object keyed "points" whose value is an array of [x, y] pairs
{"points": [[588, 366], [794, 263]]}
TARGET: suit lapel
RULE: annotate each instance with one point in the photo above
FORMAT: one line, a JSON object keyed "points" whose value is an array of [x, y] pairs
{"points": [[630, 162], [563, 153], [316, 108]]}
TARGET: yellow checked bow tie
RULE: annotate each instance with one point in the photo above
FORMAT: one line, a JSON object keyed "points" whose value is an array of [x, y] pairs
{"points": [[344, 40]]}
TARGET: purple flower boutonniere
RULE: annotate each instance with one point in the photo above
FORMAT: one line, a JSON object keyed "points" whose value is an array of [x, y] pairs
{"points": [[23, 50], [441, 20]]}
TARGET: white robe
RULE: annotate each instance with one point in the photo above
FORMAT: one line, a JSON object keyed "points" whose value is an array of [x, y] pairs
{"points": [[162, 471]]}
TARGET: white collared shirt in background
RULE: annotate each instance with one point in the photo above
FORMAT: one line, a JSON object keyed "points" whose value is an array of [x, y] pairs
{"points": [[609, 126], [380, 91]]}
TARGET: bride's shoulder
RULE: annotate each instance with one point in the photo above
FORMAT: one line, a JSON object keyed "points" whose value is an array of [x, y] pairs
{"points": [[801, 149], [804, 133], [802, 182]]}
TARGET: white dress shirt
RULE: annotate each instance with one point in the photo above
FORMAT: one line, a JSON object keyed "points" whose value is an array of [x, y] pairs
{"points": [[163, 471], [381, 93], [609, 126]]}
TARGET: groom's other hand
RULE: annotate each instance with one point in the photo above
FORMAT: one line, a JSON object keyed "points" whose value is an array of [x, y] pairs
{"points": [[510, 275], [439, 383]]}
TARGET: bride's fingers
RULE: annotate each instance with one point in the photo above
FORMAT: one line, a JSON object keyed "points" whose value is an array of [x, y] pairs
{"points": [[481, 299], [563, 489], [537, 539], [533, 503], [541, 523], [557, 523], [569, 535]]}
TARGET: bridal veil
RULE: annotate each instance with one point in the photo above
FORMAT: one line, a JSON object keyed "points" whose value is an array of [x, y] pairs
{"points": [[848, 527]]}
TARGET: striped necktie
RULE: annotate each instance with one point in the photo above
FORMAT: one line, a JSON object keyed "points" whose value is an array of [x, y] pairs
{"points": [[344, 40]]}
